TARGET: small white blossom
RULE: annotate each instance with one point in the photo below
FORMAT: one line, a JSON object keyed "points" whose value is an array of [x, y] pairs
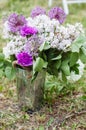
{"points": [[6, 30]]}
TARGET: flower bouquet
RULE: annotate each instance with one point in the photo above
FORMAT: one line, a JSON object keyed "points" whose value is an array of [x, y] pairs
{"points": [[41, 43]]}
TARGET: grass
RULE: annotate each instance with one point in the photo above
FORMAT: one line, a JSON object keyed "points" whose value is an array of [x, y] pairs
{"points": [[66, 100]]}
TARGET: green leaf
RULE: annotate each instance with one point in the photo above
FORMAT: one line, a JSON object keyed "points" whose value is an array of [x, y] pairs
{"points": [[1, 64], [65, 68], [1, 73], [44, 46], [1, 56], [39, 64], [76, 45], [1, 88], [57, 58], [7, 63], [82, 57], [34, 76], [45, 65], [41, 128], [75, 68], [83, 98], [64, 77], [54, 71], [73, 58], [60, 88], [83, 50], [10, 72], [57, 64]]}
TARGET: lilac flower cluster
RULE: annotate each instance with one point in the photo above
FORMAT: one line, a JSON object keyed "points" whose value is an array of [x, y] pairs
{"points": [[37, 11], [57, 13], [24, 59], [33, 45], [15, 22]]}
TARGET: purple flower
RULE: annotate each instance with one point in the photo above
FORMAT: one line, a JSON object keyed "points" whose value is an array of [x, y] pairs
{"points": [[25, 31], [33, 44], [57, 13], [15, 22], [24, 59], [37, 11]]}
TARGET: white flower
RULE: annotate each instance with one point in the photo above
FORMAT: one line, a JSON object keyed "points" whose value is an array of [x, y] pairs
{"points": [[6, 52], [30, 22], [6, 30], [64, 45], [14, 46]]}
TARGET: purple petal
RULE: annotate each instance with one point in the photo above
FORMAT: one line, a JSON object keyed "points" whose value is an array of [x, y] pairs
{"points": [[24, 59], [33, 44], [37, 11], [27, 30], [15, 22], [57, 13]]}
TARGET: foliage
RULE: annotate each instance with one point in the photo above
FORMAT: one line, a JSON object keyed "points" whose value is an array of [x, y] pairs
{"points": [[54, 88], [64, 62], [6, 68]]}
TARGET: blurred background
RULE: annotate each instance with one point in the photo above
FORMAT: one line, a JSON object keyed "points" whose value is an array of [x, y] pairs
{"points": [[76, 99]]}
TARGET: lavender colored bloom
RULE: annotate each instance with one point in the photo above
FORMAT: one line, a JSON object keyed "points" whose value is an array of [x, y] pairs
{"points": [[33, 45], [37, 11], [27, 30], [24, 59], [15, 22], [57, 13]]}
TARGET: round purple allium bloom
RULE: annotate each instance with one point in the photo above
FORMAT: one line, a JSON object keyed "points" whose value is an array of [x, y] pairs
{"points": [[57, 13], [27, 30], [37, 11], [24, 59], [15, 22]]}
